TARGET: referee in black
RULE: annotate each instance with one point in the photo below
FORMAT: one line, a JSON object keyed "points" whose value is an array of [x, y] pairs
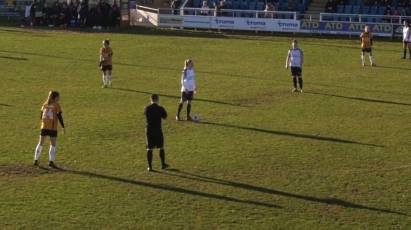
{"points": [[154, 114]]}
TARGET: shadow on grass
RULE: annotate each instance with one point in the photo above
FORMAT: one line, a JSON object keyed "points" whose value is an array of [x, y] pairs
{"points": [[349, 46], [134, 65], [392, 67], [197, 71], [168, 188], [14, 31], [289, 134], [325, 201], [5, 105], [325, 44], [200, 178], [242, 76], [177, 97], [358, 89], [14, 58], [361, 99]]}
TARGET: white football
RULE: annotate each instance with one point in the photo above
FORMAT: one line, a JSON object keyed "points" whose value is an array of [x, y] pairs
{"points": [[196, 118]]}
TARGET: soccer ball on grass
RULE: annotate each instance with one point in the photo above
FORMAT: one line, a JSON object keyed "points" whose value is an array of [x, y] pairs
{"points": [[196, 118]]}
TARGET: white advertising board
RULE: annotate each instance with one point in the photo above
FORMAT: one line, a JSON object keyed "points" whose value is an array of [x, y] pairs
{"points": [[200, 22], [256, 24], [229, 23]]}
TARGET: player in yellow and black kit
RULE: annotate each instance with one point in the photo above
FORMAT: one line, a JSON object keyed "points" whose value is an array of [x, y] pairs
{"points": [[50, 113], [366, 46], [106, 63]]}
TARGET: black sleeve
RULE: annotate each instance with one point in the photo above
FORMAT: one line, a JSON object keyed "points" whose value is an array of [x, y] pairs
{"points": [[60, 117], [164, 115]]}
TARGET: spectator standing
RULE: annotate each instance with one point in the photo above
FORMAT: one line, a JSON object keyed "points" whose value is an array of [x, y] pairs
{"points": [[116, 15], [268, 11], [292, 5], [83, 13], [33, 10], [205, 10]]}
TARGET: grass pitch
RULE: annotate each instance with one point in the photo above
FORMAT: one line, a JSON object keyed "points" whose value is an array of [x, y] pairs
{"points": [[335, 157]]}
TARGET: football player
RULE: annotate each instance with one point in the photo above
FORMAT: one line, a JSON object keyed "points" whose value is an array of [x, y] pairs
{"points": [[50, 113], [295, 60], [406, 39], [366, 46], [106, 63], [188, 88]]}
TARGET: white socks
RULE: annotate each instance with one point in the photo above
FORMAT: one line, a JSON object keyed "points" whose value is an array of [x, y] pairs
{"points": [[37, 152], [107, 78], [371, 60], [104, 79], [52, 153], [39, 148]]}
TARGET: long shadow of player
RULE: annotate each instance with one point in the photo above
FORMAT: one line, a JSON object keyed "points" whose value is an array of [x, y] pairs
{"points": [[326, 201], [212, 73], [392, 67], [139, 65], [361, 99], [297, 135], [357, 89], [5, 105], [14, 58], [15, 31], [347, 46], [166, 188], [178, 97]]}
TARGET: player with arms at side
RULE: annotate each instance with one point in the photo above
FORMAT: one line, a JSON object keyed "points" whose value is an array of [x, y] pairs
{"points": [[188, 88], [106, 63], [295, 60], [154, 115], [50, 113], [366, 46], [406, 39]]}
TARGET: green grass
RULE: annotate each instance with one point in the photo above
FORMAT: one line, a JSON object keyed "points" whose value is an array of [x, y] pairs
{"points": [[334, 157]]}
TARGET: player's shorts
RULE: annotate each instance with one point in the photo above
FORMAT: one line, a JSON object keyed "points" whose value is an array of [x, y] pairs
{"points": [[106, 67], [48, 133], [366, 50], [187, 96], [406, 43], [296, 71], [154, 140]]}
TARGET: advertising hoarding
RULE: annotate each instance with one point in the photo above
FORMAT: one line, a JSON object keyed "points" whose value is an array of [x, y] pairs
{"points": [[345, 28]]}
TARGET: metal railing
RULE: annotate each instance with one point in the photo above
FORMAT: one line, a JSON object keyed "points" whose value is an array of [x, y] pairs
{"points": [[148, 9], [322, 17], [239, 13]]}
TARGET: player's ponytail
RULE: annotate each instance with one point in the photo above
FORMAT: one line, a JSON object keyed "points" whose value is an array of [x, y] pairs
{"points": [[186, 63], [52, 97]]}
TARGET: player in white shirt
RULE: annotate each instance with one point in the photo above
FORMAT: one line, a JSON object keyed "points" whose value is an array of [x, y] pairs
{"points": [[295, 60], [406, 38], [188, 88]]}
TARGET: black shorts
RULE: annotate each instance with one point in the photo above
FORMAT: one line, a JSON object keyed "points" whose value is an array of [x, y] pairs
{"points": [[106, 67], [187, 96], [296, 71], [366, 50], [154, 140], [48, 133]]}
